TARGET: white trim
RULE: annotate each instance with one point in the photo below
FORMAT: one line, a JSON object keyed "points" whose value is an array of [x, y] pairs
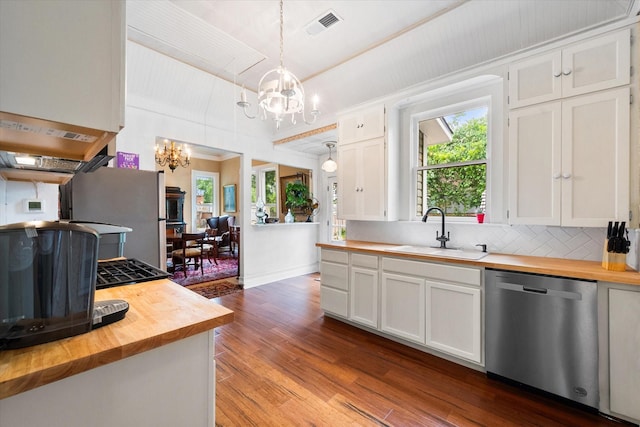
{"points": [[215, 176]]}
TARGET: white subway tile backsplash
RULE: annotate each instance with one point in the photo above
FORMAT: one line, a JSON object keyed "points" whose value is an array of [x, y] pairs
{"points": [[535, 240]]}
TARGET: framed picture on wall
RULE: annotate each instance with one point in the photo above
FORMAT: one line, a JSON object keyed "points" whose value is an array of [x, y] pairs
{"points": [[229, 197]]}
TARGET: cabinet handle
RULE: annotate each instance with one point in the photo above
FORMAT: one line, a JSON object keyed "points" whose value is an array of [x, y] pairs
{"points": [[566, 72], [556, 176], [566, 175], [557, 74]]}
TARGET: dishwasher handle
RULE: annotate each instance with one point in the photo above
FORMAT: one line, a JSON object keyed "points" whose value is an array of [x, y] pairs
{"points": [[534, 290]]}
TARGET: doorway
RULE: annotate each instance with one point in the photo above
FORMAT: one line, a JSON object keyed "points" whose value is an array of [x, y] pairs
{"points": [[337, 227]]}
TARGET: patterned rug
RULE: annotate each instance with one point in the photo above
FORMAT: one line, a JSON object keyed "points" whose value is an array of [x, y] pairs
{"points": [[227, 267], [215, 289]]}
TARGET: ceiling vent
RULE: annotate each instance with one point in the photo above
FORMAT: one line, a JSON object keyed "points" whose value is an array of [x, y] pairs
{"points": [[323, 22]]}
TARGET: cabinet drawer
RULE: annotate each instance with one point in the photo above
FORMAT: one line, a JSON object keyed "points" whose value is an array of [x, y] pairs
{"points": [[367, 261], [450, 273], [341, 257], [334, 301], [334, 275]]}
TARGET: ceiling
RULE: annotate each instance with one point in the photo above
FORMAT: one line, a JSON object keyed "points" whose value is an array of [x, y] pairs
{"points": [[375, 49]]}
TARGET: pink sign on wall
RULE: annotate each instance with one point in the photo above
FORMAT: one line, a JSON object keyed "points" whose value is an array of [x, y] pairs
{"points": [[128, 160]]}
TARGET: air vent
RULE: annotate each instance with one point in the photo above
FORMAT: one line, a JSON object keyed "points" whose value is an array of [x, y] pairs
{"points": [[323, 22]]}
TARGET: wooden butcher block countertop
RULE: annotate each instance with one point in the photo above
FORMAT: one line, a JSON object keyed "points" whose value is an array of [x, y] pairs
{"points": [[590, 270], [160, 312]]}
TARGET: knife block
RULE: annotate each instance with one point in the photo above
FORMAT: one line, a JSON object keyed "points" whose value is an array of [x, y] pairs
{"points": [[613, 261]]}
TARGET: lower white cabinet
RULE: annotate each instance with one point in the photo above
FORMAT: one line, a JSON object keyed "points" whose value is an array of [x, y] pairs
{"points": [[624, 348], [434, 305], [334, 282], [403, 306], [364, 289], [454, 320]]}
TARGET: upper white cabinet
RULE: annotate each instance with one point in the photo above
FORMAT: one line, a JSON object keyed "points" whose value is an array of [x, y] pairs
{"points": [[367, 164], [63, 61], [595, 64], [569, 161], [361, 125], [362, 180]]}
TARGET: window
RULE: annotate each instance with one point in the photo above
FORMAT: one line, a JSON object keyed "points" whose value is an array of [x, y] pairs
{"points": [[451, 162], [264, 186], [204, 198]]}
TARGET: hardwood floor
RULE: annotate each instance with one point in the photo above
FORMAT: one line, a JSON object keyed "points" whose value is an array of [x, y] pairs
{"points": [[282, 363]]}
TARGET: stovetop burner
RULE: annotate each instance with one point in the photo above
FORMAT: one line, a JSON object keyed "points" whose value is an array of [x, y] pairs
{"points": [[126, 272]]}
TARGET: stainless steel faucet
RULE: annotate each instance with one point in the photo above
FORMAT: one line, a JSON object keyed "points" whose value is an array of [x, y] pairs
{"points": [[441, 238]]}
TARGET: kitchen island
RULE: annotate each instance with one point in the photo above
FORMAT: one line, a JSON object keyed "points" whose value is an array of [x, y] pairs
{"points": [[154, 367]]}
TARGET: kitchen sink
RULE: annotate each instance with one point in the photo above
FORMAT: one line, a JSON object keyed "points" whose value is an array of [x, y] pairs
{"points": [[445, 253]]}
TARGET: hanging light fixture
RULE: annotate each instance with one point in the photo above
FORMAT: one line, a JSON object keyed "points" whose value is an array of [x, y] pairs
{"points": [[330, 165], [172, 155], [280, 93]]}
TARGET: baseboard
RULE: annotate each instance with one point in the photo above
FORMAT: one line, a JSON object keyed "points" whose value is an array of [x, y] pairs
{"points": [[251, 281]]}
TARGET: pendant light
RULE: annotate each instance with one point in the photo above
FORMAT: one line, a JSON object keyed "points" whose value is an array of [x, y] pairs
{"points": [[330, 165]]}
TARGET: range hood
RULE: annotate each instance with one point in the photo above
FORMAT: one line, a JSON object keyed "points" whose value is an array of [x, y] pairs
{"points": [[33, 149]]}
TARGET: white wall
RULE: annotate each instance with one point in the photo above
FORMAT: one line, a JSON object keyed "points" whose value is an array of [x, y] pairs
{"points": [[13, 194], [168, 99]]}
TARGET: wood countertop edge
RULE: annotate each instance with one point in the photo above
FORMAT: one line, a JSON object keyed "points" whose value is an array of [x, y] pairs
{"points": [[54, 373], [579, 269], [62, 365]]}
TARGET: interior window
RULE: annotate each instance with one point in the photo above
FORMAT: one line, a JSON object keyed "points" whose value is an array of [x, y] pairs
{"points": [[264, 186], [451, 163]]}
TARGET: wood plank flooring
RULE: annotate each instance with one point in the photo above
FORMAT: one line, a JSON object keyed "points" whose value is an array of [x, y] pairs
{"points": [[282, 363]]}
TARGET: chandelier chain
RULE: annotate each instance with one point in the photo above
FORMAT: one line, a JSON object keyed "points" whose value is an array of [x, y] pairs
{"points": [[281, 35]]}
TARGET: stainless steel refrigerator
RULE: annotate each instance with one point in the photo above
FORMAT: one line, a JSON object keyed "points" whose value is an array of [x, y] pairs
{"points": [[127, 197]]}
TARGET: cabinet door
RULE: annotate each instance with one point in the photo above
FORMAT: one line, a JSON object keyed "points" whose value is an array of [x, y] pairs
{"points": [[64, 61], [535, 80], [454, 322], [403, 306], [597, 64], [535, 164], [624, 342], [361, 125], [372, 178], [595, 158], [364, 296], [362, 177], [347, 179]]}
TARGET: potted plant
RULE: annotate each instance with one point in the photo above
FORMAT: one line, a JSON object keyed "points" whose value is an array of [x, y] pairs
{"points": [[297, 196]]}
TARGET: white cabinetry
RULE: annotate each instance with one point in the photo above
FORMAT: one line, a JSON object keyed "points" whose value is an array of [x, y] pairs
{"points": [[596, 64], [361, 178], [361, 125], [454, 319], [434, 304], [63, 61], [334, 282], [367, 167], [624, 345], [569, 161], [403, 306], [364, 289]]}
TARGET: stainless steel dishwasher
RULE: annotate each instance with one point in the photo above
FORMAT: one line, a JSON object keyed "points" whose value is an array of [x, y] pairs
{"points": [[542, 331]]}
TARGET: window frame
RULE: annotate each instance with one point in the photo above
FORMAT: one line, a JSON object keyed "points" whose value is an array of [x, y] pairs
{"points": [[443, 110], [259, 172]]}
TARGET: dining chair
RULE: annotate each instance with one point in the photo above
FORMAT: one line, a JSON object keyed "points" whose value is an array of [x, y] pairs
{"points": [[190, 252]]}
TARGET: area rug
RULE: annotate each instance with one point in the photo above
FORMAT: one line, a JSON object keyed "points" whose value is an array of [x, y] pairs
{"points": [[227, 267], [215, 289]]}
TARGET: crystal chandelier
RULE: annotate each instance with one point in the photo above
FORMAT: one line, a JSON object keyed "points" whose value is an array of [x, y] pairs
{"points": [[172, 155], [280, 92]]}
